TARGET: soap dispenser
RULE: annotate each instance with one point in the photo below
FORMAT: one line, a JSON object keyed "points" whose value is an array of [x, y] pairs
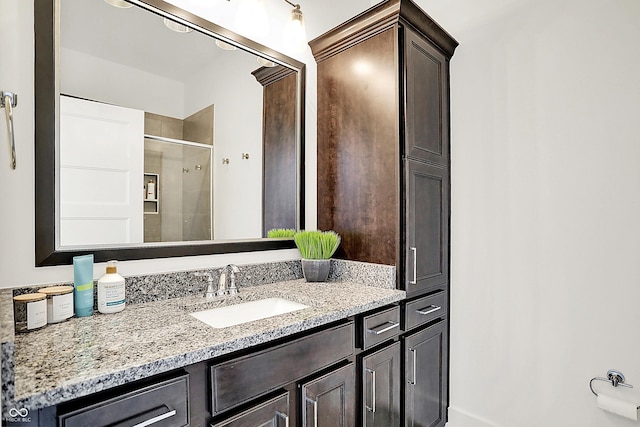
{"points": [[111, 290]]}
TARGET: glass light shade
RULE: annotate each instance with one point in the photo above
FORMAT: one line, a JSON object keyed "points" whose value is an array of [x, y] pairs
{"points": [[119, 3], [265, 62], [252, 19], [174, 26], [225, 45], [295, 33]]}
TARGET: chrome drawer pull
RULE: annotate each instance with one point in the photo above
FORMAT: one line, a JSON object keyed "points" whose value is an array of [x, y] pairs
{"points": [[8, 100], [383, 329], [429, 310], [156, 419], [372, 408], [285, 416]]}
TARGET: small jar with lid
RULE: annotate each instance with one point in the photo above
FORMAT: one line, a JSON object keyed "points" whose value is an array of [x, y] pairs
{"points": [[59, 303], [29, 311]]}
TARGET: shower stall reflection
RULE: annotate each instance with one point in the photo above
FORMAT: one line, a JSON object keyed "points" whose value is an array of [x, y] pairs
{"points": [[184, 205]]}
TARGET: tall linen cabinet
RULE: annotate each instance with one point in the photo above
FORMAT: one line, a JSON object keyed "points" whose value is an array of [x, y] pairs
{"points": [[384, 175]]}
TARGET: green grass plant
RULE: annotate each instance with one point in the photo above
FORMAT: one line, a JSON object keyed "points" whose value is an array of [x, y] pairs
{"points": [[317, 244], [281, 233]]}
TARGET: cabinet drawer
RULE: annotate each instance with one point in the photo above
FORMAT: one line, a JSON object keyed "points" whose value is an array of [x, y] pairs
{"points": [[245, 378], [162, 405], [379, 327], [425, 309]]}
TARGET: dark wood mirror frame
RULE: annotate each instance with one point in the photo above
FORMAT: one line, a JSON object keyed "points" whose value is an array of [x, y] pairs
{"points": [[46, 133]]}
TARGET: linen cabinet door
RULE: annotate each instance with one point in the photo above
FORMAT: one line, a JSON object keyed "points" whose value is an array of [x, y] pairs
{"points": [[427, 100], [426, 228], [329, 401], [426, 367], [381, 387]]}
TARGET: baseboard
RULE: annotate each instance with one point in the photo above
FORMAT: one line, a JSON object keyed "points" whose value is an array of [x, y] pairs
{"points": [[461, 418]]}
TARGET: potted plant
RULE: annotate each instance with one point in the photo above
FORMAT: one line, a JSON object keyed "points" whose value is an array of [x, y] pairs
{"points": [[316, 248], [281, 233]]}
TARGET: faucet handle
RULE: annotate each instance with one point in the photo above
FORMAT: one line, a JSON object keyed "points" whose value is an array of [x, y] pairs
{"points": [[210, 291], [233, 269]]}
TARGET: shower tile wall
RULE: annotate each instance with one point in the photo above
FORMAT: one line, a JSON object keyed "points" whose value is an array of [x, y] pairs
{"points": [[184, 188]]}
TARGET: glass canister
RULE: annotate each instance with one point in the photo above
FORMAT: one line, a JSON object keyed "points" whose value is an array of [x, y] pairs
{"points": [[29, 311], [59, 303]]}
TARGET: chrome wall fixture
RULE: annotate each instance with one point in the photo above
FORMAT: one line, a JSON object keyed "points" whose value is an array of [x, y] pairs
{"points": [[8, 101], [616, 378]]}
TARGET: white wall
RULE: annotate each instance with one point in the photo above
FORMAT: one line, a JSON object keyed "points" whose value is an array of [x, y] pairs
{"points": [[237, 129], [545, 210], [90, 77]]}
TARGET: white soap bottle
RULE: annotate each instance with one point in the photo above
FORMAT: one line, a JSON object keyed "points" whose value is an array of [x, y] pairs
{"points": [[111, 290]]}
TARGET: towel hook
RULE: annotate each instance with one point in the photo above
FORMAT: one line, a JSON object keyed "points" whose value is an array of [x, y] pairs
{"points": [[616, 378], [8, 100]]}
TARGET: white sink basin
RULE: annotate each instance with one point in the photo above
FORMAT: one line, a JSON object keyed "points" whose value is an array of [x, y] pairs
{"points": [[236, 314]]}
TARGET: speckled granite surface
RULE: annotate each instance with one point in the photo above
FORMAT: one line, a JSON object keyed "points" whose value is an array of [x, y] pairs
{"points": [[85, 355]]}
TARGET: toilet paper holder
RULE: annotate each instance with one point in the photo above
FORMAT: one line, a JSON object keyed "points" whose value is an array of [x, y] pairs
{"points": [[616, 378]]}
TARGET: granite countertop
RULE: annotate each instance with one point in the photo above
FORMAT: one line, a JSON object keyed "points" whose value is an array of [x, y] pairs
{"points": [[85, 355]]}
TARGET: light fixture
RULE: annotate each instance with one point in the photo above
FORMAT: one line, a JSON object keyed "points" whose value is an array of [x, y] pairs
{"points": [[174, 26], [225, 45], [119, 3], [295, 33], [265, 62]]}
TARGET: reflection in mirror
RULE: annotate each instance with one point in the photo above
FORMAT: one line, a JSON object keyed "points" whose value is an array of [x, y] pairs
{"points": [[169, 142]]}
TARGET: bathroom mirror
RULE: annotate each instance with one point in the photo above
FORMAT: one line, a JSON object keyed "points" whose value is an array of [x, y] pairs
{"points": [[199, 130]]}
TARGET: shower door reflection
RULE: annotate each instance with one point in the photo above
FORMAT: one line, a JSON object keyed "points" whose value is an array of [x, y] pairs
{"points": [[184, 205]]}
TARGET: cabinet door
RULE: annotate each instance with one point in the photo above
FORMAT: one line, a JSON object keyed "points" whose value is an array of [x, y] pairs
{"points": [[329, 401], [426, 361], [426, 228], [427, 101], [272, 413], [381, 387]]}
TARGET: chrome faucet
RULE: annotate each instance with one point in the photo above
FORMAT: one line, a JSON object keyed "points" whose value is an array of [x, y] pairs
{"points": [[210, 291]]}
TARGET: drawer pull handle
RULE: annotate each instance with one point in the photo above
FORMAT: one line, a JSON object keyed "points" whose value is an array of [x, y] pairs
{"points": [[413, 356], [415, 266], [372, 408], [315, 411], [285, 416], [429, 310], [381, 329], [156, 419]]}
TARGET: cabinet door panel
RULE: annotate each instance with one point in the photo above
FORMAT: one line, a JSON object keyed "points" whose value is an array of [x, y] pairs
{"points": [[329, 401], [427, 101], [381, 387], [427, 227], [272, 413], [426, 364]]}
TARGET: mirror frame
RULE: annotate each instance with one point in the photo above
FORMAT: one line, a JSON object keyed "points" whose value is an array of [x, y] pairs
{"points": [[47, 91]]}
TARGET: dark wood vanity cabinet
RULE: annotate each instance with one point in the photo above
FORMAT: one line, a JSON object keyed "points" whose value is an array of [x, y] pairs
{"points": [[329, 401], [384, 178], [425, 374]]}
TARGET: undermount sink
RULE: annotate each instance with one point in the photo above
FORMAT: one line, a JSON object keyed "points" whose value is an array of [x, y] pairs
{"points": [[237, 314]]}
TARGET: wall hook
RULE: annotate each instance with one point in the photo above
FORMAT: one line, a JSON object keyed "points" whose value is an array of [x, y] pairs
{"points": [[8, 101]]}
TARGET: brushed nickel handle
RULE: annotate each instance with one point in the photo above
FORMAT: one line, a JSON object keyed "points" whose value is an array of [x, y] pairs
{"points": [[415, 266], [315, 411], [381, 329], [156, 419], [285, 416], [429, 310], [372, 408], [413, 368]]}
